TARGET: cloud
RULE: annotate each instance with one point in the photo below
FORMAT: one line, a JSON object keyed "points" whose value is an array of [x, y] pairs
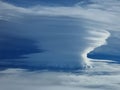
{"points": [[103, 76], [65, 33], [8, 10], [97, 39], [95, 19]]}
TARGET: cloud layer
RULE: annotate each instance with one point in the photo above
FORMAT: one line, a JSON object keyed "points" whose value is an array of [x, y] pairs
{"points": [[93, 19], [103, 76], [67, 34]]}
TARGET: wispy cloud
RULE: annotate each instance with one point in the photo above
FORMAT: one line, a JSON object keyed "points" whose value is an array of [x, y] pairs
{"points": [[67, 42], [91, 13], [103, 76]]}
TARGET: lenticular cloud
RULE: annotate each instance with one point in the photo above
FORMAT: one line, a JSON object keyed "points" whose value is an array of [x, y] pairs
{"points": [[45, 47]]}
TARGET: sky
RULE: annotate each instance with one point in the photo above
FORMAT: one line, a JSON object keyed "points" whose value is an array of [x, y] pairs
{"points": [[59, 44]]}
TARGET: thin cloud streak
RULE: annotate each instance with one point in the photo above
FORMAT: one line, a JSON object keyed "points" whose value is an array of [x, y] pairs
{"points": [[74, 12]]}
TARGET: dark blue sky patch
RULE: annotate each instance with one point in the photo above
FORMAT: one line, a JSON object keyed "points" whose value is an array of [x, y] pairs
{"points": [[34, 67], [102, 56], [12, 47], [111, 51], [27, 3]]}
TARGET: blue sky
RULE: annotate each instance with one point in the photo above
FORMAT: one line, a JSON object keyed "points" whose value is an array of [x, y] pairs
{"points": [[59, 44], [43, 2]]}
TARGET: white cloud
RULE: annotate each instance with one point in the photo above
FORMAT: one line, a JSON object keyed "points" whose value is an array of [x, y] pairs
{"points": [[97, 24], [8, 10], [103, 76]]}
